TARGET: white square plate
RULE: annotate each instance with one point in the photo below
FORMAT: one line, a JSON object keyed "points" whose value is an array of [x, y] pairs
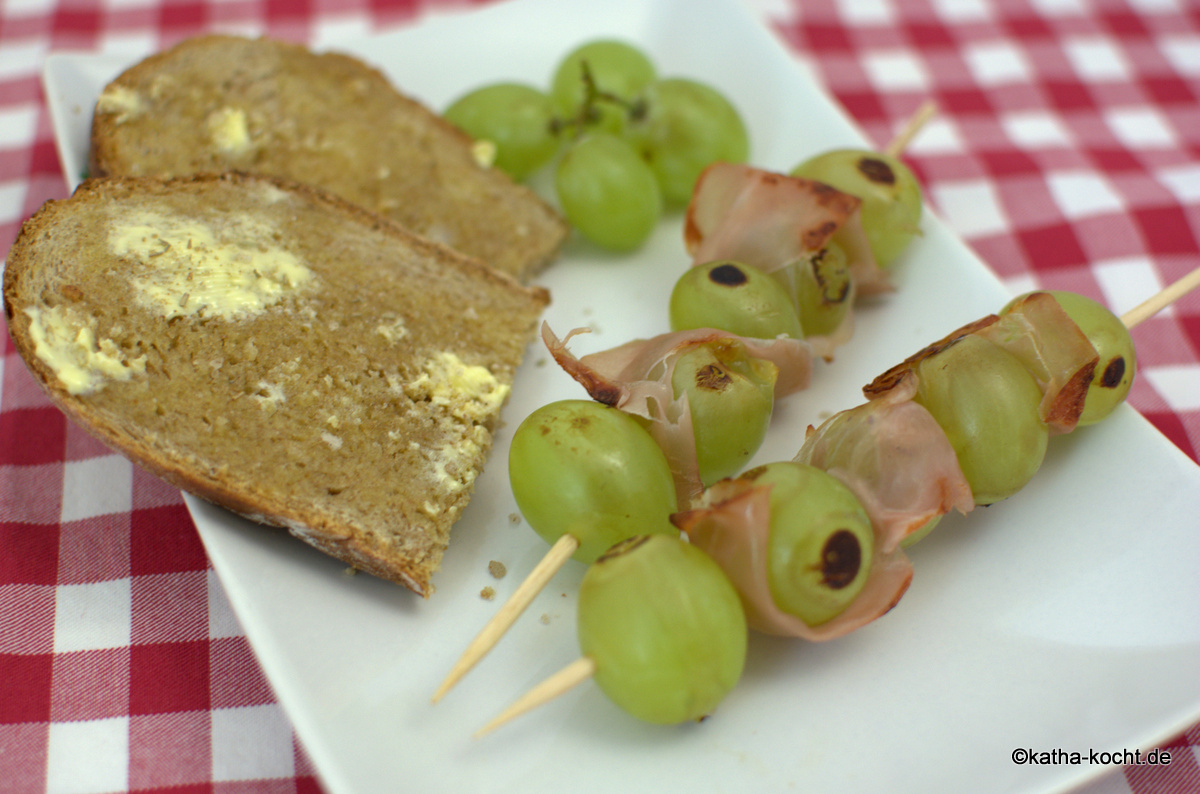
{"points": [[1066, 618]]}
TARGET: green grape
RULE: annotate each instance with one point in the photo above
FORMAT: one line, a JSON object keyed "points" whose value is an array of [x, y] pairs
{"points": [[688, 126], [821, 542], [731, 397], [987, 404], [514, 117], [733, 297], [1114, 372], [584, 469], [607, 192], [824, 291], [617, 70], [664, 627], [890, 194]]}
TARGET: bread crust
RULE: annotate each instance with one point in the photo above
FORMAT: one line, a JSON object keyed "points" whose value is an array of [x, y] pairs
{"points": [[219, 102], [41, 272]]}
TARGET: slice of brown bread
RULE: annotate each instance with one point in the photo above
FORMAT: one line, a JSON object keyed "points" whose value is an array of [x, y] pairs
{"points": [[218, 103], [276, 350]]}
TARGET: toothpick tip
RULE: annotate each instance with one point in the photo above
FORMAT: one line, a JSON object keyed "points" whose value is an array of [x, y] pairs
{"points": [[560, 683], [494, 630]]}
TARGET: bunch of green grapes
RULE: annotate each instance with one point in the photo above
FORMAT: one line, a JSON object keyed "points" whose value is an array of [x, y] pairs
{"points": [[624, 142]]}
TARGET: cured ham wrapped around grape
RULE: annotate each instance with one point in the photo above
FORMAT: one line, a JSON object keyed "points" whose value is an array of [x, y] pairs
{"points": [[1049, 344], [639, 378], [769, 220], [735, 528], [892, 454]]}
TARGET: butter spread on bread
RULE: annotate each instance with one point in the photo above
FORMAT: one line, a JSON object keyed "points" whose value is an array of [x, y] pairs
{"points": [[66, 343], [219, 103], [182, 266], [276, 350]]}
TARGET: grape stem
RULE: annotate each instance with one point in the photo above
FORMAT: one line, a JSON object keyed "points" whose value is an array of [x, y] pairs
{"points": [[1164, 298], [503, 620], [560, 683], [636, 109]]}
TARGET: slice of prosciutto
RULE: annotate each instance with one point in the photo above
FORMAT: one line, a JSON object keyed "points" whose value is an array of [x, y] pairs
{"points": [[769, 220], [636, 378], [891, 453], [733, 528], [1047, 342], [1058, 354]]}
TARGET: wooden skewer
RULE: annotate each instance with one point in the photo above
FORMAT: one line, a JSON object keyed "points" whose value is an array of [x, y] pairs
{"points": [[502, 621], [1156, 303], [560, 683], [918, 120]]}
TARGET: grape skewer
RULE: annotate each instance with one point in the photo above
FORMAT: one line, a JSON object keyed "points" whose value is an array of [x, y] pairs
{"points": [[724, 396], [585, 476], [822, 236], [584, 668], [727, 392], [1057, 339]]}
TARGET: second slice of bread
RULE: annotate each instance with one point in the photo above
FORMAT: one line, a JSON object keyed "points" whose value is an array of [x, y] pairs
{"points": [[218, 103], [276, 350]]}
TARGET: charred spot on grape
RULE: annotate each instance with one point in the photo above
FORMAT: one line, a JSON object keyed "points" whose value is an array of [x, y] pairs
{"points": [[817, 236], [622, 547], [833, 199], [734, 297], [753, 474], [728, 275], [841, 559], [712, 378], [893, 376], [730, 397], [1114, 373], [877, 171], [826, 270]]}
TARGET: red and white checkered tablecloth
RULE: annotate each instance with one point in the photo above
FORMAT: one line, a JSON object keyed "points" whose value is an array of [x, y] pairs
{"points": [[1066, 152]]}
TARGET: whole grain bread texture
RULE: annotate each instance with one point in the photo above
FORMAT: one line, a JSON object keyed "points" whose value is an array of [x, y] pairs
{"points": [[276, 350], [218, 103]]}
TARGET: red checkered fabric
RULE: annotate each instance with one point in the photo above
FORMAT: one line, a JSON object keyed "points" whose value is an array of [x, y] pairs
{"points": [[1066, 152]]}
